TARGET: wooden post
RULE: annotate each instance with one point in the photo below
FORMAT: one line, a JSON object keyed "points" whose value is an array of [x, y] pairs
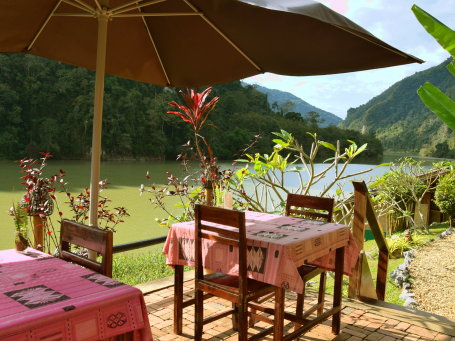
{"points": [[38, 232], [422, 211], [208, 186], [361, 281], [358, 231], [228, 203]]}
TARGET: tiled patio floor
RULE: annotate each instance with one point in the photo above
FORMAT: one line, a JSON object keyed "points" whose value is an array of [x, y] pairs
{"points": [[360, 321]]}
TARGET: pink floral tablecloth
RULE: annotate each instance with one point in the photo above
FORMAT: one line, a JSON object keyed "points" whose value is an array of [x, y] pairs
{"points": [[46, 298], [277, 246]]}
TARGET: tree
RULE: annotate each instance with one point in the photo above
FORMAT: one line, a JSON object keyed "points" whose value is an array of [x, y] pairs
{"points": [[314, 119], [292, 115], [287, 107]]}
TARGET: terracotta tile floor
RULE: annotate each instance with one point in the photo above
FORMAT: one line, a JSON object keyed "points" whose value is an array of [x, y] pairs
{"points": [[360, 321]]}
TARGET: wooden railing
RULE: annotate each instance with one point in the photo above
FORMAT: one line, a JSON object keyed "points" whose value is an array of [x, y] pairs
{"points": [[138, 244], [361, 285]]}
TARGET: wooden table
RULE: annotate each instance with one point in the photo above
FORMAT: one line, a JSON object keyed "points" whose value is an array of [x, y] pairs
{"points": [[46, 298], [277, 247]]}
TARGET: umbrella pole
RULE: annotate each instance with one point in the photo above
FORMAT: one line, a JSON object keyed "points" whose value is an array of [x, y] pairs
{"points": [[98, 117]]}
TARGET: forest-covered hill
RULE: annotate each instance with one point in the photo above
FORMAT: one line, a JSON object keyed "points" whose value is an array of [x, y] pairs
{"points": [[293, 103], [402, 122], [47, 106]]}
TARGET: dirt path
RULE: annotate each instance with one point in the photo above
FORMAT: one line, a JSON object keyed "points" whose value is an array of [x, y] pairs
{"points": [[433, 272]]}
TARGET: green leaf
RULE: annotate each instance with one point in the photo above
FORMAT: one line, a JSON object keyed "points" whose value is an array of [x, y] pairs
{"points": [[312, 135], [361, 149], [328, 145], [443, 34], [383, 164], [451, 67], [439, 103]]}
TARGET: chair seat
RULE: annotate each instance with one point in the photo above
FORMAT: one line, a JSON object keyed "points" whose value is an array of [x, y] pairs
{"points": [[231, 283], [307, 272]]}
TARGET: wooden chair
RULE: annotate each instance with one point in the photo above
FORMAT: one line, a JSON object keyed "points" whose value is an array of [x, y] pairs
{"points": [[319, 208], [100, 241], [237, 289], [311, 207]]}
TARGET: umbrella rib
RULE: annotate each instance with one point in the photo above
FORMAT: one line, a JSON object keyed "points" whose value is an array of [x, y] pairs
{"points": [[81, 5], [118, 10], [239, 50], [82, 15], [134, 2], [98, 5], [171, 14], [43, 25], [156, 50]]}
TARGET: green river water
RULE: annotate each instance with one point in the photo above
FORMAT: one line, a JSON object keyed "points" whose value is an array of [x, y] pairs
{"points": [[125, 178]]}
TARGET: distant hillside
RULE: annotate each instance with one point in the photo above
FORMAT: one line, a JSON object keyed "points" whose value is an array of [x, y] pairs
{"points": [[300, 106], [400, 120]]}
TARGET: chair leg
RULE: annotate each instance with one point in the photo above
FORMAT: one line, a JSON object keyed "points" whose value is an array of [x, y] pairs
{"points": [[299, 305], [321, 295], [337, 290], [199, 314], [178, 299], [242, 318], [252, 320], [235, 317]]}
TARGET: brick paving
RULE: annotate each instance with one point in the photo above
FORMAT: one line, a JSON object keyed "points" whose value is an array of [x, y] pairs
{"points": [[360, 321]]}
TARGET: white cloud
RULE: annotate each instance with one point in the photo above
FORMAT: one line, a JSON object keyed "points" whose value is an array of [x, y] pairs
{"points": [[392, 22]]}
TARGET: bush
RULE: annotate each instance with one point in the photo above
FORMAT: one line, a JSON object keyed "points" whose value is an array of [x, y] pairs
{"points": [[398, 243], [445, 195]]}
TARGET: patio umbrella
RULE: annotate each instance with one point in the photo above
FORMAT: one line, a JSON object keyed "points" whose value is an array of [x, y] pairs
{"points": [[189, 43]]}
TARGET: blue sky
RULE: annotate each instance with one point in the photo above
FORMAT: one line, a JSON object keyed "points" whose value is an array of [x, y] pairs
{"points": [[391, 21]]}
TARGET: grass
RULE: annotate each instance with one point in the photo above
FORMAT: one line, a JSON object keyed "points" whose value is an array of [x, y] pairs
{"points": [[136, 268]]}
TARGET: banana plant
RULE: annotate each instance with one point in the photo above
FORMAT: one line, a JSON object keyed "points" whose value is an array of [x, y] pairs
{"points": [[438, 102]]}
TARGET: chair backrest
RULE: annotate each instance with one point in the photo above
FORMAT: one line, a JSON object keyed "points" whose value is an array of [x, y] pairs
{"points": [[230, 230], [100, 241], [309, 206]]}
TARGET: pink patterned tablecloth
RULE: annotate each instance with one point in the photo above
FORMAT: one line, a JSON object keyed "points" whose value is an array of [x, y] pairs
{"points": [[46, 298], [277, 246]]}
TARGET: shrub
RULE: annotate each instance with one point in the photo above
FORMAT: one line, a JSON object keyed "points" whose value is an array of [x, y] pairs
{"points": [[445, 195], [398, 244]]}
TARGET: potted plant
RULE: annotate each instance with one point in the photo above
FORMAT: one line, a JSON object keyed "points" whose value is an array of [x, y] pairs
{"points": [[38, 200], [20, 218]]}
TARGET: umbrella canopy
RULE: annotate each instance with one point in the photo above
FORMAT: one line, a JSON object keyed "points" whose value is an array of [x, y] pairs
{"points": [[189, 43]]}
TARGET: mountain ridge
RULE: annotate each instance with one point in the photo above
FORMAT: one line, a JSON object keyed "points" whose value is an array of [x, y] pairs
{"points": [[300, 106], [399, 118]]}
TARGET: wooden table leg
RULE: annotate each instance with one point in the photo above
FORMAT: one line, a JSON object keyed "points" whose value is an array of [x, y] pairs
{"points": [[337, 290], [178, 299], [278, 322]]}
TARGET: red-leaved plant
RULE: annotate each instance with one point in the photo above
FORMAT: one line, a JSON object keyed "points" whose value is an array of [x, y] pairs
{"points": [[40, 200], [195, 112]]}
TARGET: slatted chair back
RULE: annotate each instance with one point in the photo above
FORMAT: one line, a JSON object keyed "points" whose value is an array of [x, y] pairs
{"points": [[308, 206], [100, 241], [230, 230]]}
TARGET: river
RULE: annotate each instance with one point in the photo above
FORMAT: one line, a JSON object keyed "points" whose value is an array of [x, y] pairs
{"points": [[125, 178]]}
